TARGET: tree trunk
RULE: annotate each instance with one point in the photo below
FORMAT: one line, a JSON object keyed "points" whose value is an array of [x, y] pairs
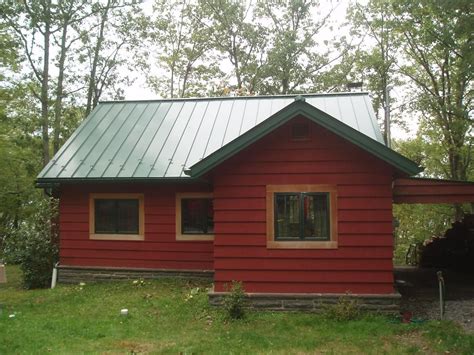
{"points": [[45, 84], [91, 101], [59, 89]]}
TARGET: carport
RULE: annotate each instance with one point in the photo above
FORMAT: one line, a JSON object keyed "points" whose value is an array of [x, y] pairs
{"points": [[419, 286]]}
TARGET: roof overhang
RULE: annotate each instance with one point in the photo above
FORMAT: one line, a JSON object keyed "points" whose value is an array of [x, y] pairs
{"points": [[51, 183], [297, 108], [432, 191]]}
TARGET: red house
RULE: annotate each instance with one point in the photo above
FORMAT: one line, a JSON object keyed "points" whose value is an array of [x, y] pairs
{"points": [[290, 195]]}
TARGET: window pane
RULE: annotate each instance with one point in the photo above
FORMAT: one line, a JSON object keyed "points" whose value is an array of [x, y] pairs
{"points": [[316, 216], [127, 216], [116, 216], [197, 216], [287, 216], [105, 216]]}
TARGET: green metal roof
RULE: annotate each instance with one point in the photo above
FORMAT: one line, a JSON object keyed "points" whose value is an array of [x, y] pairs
{"points": [[160, 139], [300, 107]]}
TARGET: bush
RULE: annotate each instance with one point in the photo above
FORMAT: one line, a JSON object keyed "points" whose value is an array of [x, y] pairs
{"points": [[34, 245], [234, 302], [346, 308]]}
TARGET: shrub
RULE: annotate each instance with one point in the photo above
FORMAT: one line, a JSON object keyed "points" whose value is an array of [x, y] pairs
{"points": [[234, 302], [346, 308], [34, 245]]}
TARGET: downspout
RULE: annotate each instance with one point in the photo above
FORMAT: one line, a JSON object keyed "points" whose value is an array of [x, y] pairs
{"points": [[54, 277]]}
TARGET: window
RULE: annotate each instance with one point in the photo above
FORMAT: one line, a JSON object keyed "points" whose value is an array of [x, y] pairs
{"points": [[301, 216], [194, 216], [116, 216]]}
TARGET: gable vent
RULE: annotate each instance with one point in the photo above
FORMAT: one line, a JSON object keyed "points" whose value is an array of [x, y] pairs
{"points": [[300, 132]]}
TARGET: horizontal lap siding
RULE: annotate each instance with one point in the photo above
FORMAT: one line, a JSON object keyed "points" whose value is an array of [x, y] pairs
{"points": [[159, 249], [362, 263]]}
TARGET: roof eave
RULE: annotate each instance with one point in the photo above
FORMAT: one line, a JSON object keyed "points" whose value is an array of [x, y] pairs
{"points": [[296, 108], [51, 182]]}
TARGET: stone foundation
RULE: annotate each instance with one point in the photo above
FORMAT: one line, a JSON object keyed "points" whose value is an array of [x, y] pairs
{"points": [[76, 274], [313, 302]]}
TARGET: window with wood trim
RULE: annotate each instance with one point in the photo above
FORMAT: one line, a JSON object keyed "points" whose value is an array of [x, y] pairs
{"points": [[301, 216], [116, 216], [194, 216]]}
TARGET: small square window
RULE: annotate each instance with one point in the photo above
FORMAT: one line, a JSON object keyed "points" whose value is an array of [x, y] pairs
{"points": [[116, 216], [197, 216], [301, 216]]}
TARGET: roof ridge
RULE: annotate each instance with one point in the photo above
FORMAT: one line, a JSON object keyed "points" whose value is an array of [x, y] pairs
{"points": [[210, 98]]}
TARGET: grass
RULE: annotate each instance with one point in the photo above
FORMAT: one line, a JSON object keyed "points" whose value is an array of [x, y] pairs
{"points": [[164, 318]]}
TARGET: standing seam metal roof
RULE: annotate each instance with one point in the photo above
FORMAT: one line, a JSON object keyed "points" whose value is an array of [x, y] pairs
{"points": [[162, 138]]}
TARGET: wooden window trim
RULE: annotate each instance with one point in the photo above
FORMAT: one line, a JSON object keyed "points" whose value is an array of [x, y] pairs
{"points": [[190, 237], [316, 244], [117, 196]]}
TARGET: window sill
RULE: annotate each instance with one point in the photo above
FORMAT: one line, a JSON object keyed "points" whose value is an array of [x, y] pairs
{"points": [[302, 245], [194, 237], [138, 237]]}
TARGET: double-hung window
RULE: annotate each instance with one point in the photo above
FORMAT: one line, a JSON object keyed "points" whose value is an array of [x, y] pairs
{"points": [[301, 216]]}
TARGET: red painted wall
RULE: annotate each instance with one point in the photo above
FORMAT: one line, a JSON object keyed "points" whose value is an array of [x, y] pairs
{"points": [[159, 249], [363, 261]]}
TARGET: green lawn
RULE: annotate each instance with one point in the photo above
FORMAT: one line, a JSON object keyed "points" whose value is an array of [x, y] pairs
{"points": [[164, 319]]}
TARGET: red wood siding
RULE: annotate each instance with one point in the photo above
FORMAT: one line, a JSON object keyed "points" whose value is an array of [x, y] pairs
{"points": [[159, 249], [362, 263]]}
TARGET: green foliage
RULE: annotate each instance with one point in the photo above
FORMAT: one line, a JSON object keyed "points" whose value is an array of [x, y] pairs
{"points": [[292, 63], [345, 309], [18, 166], [34, 244], [418, 223], [234, 302], [437, 42], [183, 47]]}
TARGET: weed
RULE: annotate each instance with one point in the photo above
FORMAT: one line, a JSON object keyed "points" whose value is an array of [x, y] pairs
{"points": [[346, 308], [234, 302]]}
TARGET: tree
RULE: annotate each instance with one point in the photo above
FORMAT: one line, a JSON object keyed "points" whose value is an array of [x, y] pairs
{"points": [[32, 21], [236, 32], [293, 57], [20, 161], [110, 33], [437, 39], [375, 20], [183, 51]]}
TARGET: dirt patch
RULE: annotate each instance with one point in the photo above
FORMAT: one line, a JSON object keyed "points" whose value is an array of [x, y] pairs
{"points": [[413, 339], [135, 347]]}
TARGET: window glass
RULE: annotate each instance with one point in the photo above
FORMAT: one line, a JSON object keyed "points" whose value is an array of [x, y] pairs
{"points": [[287, 218], [301, 216], [116, 216], [127, 216], [197, 216], [316, 216]]}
